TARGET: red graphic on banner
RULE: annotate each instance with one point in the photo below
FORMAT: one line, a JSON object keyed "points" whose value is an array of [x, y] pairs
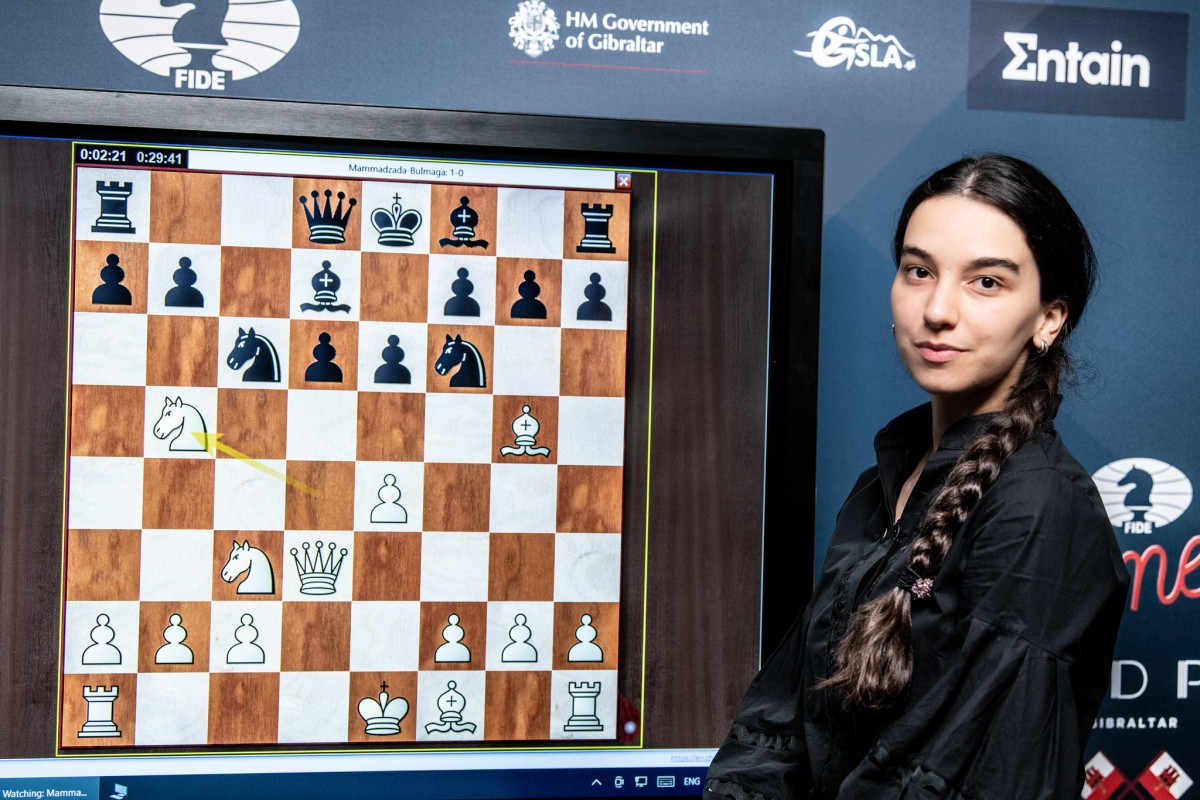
{"points": [[1165, 779], [1189, 562]]}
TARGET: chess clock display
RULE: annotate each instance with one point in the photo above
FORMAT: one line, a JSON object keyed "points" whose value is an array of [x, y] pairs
{"points": [[131, 155]]}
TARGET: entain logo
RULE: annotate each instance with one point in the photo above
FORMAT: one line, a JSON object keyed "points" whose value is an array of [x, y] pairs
{"points": [[171, 38], [534, 28], [840, 42], [1142, 494]]}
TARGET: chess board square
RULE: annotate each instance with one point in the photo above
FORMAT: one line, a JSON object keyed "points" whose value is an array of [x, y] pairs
{"points": [[239, 355], [529, 222], [159, 619], [104, 493], [256, 211], [596, 366], [181, 351], [462, 693], [93, 293], [379, 632], [239, 574], [321, 425], [507, 650], [543, 308], [308, 371], [391, 427], [172, 709], [312, 706], [369, 686], [395, 286], [252, 421], [326, 210], [439, 649], [243, 708], [107, 420], [311, 277], [589, 499], [375, 339], [316, 638], [458, 362], [591, 430], [167, 284], [253, 281], [177, 421], [572, 648], [581, 302], [388, 495], [175, 565], [517, 416], [527, 361], [574, 225], [597, 699], [448, 212], [108, 349], [262, 637], [88, 203], [330, 506], [587, 567], [177, 493], [458, 428], [450, 301], [456, 497], [454, 568], [103, 565], [245, 496], [388, 208], [521, 566], [100, 636], [185, 207], [384, 565], [523, 498], [518, 706], [316, 562], [75, 709]]}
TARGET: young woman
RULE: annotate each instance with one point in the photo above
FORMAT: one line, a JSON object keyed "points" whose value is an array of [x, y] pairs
{"points": [[959, 639]]}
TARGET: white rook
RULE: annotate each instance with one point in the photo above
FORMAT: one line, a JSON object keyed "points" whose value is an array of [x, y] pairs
{"points": [[583, 707], [99, 712]]}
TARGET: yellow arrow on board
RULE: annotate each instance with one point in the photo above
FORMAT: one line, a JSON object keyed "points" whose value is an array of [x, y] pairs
{"points": [[211, 444]]}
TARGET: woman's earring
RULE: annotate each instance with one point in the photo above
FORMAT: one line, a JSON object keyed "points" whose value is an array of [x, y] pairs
{"points": [[893, 329], [1045, 348]]}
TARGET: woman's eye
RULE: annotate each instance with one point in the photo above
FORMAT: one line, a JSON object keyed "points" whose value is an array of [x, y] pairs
{"points": [[987, 282], [918, 272]]}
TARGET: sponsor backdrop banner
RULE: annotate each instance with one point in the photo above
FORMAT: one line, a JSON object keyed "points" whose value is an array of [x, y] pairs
{"points": [[1101, 95]]}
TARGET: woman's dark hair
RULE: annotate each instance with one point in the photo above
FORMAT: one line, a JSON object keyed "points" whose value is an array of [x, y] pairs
{"points": [[874, 658]]}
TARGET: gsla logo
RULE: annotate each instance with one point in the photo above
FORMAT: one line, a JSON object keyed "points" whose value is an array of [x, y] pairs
{"points": [[839, 42], [201, 42]]}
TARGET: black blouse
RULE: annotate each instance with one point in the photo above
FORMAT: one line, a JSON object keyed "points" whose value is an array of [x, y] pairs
{"points": [[1011, 652]]}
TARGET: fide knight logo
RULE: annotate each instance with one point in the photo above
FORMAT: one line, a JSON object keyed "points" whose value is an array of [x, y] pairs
{"points": [[533, 29], [202, 43], [1142, 494]]}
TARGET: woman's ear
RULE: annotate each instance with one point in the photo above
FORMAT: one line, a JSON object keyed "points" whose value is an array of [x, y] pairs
{"points": [[1054, 316]]}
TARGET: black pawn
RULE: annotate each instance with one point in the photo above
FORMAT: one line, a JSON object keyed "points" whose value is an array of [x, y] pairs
{"points": [[462, 304], [392, 371], [595, 309], [528, 307], [111, 292], [323, 370], [185, 295]]}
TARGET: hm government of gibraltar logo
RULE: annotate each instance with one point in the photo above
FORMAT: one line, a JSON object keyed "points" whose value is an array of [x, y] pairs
{"points": [[202, 43], [1142, 494], [840, 42], [534, 28]]}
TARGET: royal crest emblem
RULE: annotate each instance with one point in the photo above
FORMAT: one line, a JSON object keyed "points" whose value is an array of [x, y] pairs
{"points": [[533, 29]]}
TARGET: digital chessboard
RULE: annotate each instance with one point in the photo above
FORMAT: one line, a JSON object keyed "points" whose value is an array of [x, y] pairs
{"points": [[345, 461]]}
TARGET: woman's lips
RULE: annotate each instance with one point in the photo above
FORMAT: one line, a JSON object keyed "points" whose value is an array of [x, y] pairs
{"points": [[938, 353]]}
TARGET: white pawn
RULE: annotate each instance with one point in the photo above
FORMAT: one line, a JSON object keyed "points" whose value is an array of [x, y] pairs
{"points": [[246, 651], [389, 508], [102, 651], [519, 649], [585, 649], [174, 651], [453, 650]]}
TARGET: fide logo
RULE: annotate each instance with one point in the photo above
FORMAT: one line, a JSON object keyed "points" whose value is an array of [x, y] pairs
{"points": [[534, 28], [202, 43], [1142, 494], [839, 42]]}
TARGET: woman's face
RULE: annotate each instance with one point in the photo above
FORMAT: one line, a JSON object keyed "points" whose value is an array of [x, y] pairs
{"points": [[966, 302]]}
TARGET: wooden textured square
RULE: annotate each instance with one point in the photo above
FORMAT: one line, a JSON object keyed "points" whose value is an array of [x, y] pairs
{"points": [[243, 708], [177, 492], [316, 637], [589, 499], [75, 709], [569, 617], [391, 426], [185, 207], [306, 335], [369, 685], [510, 281], [181, 351], [247, 571], [325, 206], [517, 706], [253, 421], [103, 565], [574, 224], [399, 287], [457, 497], [482, 337], [446, 204], [435, 618], [155, 617], [107, 420], [133, 260], [595, 366], [521, 566], [332, 507], [387, 566], [255, 281], [509, 421]]}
